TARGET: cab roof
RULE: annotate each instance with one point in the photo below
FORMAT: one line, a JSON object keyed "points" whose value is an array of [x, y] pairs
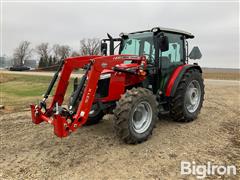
{"points": [[170, 30]]}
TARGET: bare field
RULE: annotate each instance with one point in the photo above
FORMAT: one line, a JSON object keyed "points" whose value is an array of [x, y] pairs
{"points": [[222, 75], [94, 152]]}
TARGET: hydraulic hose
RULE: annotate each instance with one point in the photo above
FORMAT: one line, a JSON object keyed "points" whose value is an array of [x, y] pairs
{"points": [[79, 89], [53, 80]]}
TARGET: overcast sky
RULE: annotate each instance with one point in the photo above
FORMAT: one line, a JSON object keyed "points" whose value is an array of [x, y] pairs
{"points": [[215, 25]]}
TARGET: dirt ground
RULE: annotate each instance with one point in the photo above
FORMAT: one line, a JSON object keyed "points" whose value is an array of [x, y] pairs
{"points": [[33, 152]]}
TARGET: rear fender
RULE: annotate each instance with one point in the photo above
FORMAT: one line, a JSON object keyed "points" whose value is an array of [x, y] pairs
{"points": [[177, 76]]}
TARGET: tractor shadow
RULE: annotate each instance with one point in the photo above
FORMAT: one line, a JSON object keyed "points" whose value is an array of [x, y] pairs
{"points": [[104, 135], [103, 128]]}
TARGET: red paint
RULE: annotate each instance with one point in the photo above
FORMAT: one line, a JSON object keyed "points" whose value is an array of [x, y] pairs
{"points": [[60, 124], [173, 78], [128, 65], [35, 119], [101, 64]]}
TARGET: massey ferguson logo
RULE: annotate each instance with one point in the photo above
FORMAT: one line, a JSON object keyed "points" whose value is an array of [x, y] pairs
{"points": [[104, 65], [125, 57]]}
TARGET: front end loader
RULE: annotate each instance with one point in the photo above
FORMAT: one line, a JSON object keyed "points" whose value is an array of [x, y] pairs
{"points": [[149, 77]]}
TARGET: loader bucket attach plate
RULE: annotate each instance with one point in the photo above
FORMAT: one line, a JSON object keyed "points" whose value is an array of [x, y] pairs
{"points": [[60, 126], [35, 116]]}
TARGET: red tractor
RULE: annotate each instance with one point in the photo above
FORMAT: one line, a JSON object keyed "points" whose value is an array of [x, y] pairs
{"points": [[149, 77]]}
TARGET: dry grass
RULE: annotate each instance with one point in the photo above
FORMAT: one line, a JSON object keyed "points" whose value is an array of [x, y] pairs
{"points": [[6, 78], [19, 91]]}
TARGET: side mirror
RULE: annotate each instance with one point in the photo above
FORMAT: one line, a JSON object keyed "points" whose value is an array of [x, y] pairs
{"points": [[104, 48], [164, 44], [195, 53]]}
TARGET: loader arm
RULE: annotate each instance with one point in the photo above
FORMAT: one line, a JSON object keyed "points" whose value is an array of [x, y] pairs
{"points": [[63, 125]]}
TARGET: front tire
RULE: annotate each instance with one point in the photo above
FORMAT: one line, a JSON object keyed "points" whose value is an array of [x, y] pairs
{"points": [[188, 99], [135, 115], [95, 115]]}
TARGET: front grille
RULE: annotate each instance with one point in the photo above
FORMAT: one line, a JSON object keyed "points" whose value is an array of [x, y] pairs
{"points": [[103, 86]]}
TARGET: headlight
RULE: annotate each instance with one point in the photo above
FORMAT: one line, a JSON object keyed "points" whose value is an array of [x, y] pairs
{"points": [[105, 76]]}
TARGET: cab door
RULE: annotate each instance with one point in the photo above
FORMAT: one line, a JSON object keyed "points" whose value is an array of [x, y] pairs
{"points": [[171, 59]]}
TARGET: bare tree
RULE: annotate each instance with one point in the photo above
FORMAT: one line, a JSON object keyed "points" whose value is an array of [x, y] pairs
{"points": [[90, 46], [61, 52], [56, 51], [64, 51], [43, 50], [22, 53]]}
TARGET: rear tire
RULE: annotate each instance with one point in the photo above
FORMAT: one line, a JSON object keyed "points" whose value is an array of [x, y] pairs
{"points": [[135, 115], [188, 99]]}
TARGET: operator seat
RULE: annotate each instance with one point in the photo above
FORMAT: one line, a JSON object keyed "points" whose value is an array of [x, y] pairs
{"points": [[165, 62], [166, 66]]}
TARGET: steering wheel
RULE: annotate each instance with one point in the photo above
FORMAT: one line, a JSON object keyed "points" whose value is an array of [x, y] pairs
{"points": [[148, 57]]}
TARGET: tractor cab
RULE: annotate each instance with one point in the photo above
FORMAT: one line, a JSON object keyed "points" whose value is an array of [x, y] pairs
{"points": [[165, 49]]}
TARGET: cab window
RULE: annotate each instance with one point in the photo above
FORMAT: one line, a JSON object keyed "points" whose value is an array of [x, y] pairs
{"points": [[175, 51], [139, 44], [148, 51], [131, 46]]}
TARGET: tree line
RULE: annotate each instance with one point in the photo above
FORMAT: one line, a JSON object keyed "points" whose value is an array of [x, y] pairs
{"points": [[52, 55]]}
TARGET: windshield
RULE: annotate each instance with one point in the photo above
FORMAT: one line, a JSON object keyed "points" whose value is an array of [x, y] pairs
{"points": [[139, 44]]}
